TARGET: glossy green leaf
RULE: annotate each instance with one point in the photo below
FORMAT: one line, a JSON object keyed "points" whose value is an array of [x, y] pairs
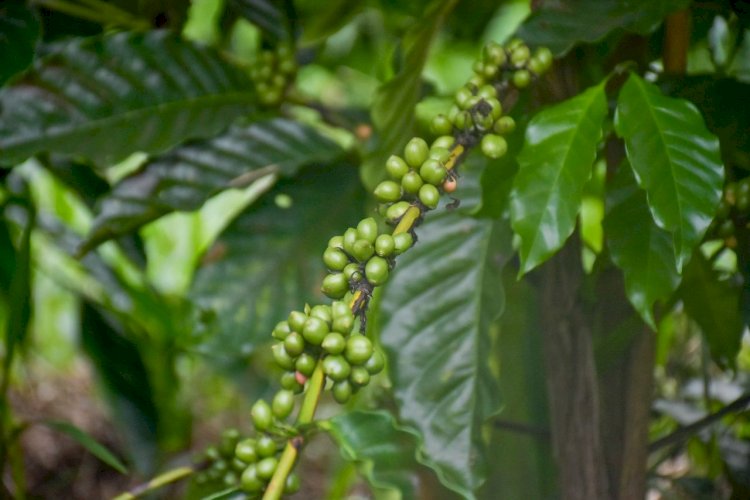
{"points": [[268, 15], [187, 176], [88, 442], [715, 305], [393, 106], [19, 32], [268, 261], [434, 315], [19, 291], [641, 249], [497, 179], [675, 159], [323, 23], [554, 165], [561, 24], [386, 453], [106, 97]]}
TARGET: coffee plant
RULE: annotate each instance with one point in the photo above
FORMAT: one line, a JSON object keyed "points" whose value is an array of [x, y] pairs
{"points": [[492, 249]]}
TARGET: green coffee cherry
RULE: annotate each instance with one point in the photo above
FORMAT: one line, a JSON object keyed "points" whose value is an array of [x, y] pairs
{"points": [[334, 343], [543, 56], [267, 467], [282, 404], [336, 242], [294, 345], [496, 108], [487, 92], [521, 78], [396, 167], [376, 270], [343, 324], [433, 172], [504, 125], [363, 250], [445, 141], [520, 55], [388, 191], [292, 484], [368, 229], [411, 182], [237, 465], [352, 272], [334, 259], [249, 481], [494, 146], [359, 376], [429, 196], [315, 330], [440, 154], [490, 71], [305, 364], [462, 97], [494, 54], [335, 285], [336, 367], [441, 125], [281, 330], [415, 153], [358, 349], [297, 320], [265, 446], [322, 312], [262, 415], [229, 439], [376, 363], [463, 120], [282, 358], [290, 383], [342, 391], [384, 245], [396, 211], [402, 242]]}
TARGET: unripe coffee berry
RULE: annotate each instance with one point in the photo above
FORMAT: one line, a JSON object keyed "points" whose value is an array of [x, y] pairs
{"points": [[294, 345], [367, 229], [315, 330], [429, 196], [358, 349], [334, 259], [441, 125], [440, 154], [376, 363], [267, 467], [415, 152], [336, 367], [334, 343], [494, 146], [411, 182], [292, 484], [402, 242], [504, 125], [376, 270], [433, 172], [359, 376], [322, 312], [396, 211], [342, 391], [305, 364], [362, 250], [335, 285], [282, 404], [265, 446], [261, 415], [521, 78], [296, 320], [445, 141], [388, 191], [384, 245], [249, 481], [281, 330], [282, 358], [245, 451], [396, 167], [520, 55]]}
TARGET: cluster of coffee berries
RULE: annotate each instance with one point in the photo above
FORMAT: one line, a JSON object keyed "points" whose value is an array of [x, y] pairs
{"points": [[319, 333], [272, 73], [733, 211], [477, 111], [361, 256], [245, 463]]}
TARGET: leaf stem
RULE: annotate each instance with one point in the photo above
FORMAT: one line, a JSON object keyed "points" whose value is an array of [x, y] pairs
{"points": [[159, 481]]}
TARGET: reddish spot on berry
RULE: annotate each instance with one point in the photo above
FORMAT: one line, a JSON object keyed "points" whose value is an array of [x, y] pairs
{"points": [[301, 379], [450, 185]]}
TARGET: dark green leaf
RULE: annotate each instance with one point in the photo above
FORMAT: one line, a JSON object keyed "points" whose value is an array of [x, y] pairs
{"points": [[372, 439], [643, 251], [88, 442], [715, 305], [393, 106], [120, 366], [675, 159], [325, 22], [107, 97], [497, 179], [19, 297], [268, 261], [19, 32], [555, 163], [8, 257], [561, 24], [186, 177], [265, 14], [434, 315]]}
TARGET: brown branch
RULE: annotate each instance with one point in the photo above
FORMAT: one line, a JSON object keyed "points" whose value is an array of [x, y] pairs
{"points": [[676, 42]]}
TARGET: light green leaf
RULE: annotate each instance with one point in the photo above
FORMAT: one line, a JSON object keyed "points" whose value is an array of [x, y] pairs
{"points": [[715, 305], [265, 14], [562, 24], [187, 176], [393, 106], [106, 97], [372, 439], [268, 261], [555, 163], [675, 159], [642, 250], [435, 314], [88, 442], [19, 32]]}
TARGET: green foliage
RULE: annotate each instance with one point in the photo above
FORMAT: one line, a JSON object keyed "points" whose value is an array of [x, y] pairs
{"points": [[89, 443], [107, 97], [19, 29], [554, 165], [675, 159]]}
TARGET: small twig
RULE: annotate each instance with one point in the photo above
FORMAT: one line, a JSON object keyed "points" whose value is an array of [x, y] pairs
{"points": [[685, 432], [159, 481]]}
